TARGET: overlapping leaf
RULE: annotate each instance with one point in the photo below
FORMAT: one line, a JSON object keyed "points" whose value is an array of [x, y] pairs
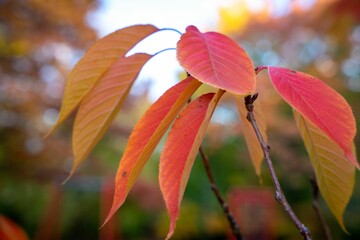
{"points": [[180, 151], [334, 173], [255, 150], [215, 59], [102, 103], [319, 104], [147, 134], [96, 62]]}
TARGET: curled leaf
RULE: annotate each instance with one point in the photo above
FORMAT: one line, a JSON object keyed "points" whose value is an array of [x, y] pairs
{"points": [[180, 150], [215, 59]]}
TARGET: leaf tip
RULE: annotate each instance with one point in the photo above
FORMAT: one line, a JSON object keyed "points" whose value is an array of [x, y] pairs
{"points": [[118, 200], [192, 28], [72, 172], [115, 206], [46, 135], [106, 220], [352, 158], [51, 131], [172, 227], [68, 177], [342, 225]]}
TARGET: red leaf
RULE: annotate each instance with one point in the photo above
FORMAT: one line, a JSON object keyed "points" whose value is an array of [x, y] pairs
{"points": [[102, 103], [215, 59], [146, 135], [180, 151], [318, 103]]}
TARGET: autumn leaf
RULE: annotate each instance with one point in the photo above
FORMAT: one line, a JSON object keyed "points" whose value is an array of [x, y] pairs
{"points": [[318, 103], [9, 230], [335, 175], [215, 59], [95, 63], [255, 150], [146, 135], [180, 150], [100, 106]]}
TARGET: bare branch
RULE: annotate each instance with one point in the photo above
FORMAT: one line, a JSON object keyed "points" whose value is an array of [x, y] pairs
{"points": [[316, 207], [279, 195], [225, 206]]}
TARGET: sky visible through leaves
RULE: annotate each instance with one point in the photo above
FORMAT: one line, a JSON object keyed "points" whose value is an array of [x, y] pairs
{"points": [[34, 68], [163, 70]]}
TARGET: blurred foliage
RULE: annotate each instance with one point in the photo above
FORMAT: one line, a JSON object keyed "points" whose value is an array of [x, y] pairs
{"points": [[40, 41], [321, 38]]}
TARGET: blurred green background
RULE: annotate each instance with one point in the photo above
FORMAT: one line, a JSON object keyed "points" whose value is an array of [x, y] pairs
{"points": [[40, 41]]}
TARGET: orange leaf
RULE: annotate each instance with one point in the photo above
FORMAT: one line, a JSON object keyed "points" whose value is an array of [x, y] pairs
{"points": [[9, 230], [146, 135], [100, 106], [253, 145], [335, 175], [318, 103], [180, 150], [96, 62], [215, 59]]}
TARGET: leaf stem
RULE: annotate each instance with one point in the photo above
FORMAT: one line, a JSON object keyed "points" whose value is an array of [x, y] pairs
{"points": [[316, 207], [279, 195], [225, 206], [164, 50], [171, 29], [258, 69]]}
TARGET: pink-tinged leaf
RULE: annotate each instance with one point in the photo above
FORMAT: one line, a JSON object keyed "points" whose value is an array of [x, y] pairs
{"points": [[96, 62], [100, 106], [318, 103], [335, 174], [215, 59], [253, 145], [146, 135], [180, 150]]}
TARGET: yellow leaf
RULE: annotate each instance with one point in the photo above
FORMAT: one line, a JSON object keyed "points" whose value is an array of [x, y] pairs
{"points": [[100, 106], [335, 175], [95, 63], [253, 145]]}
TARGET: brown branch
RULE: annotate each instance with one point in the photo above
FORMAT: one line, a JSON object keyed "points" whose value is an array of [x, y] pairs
{"points": [[230, 217], [279, 195], [316, 207]]}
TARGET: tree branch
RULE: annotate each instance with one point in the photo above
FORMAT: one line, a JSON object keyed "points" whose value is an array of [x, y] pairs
{"points": [[316, 207], [279, 195], [230, 217]]}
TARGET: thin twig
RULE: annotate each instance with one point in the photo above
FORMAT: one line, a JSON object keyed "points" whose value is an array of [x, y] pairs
{"points": [[233, 224], [316, 206], [279, 195]]}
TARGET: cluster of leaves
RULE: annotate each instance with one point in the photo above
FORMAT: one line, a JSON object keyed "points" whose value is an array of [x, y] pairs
{"points": [[100, 82]]}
